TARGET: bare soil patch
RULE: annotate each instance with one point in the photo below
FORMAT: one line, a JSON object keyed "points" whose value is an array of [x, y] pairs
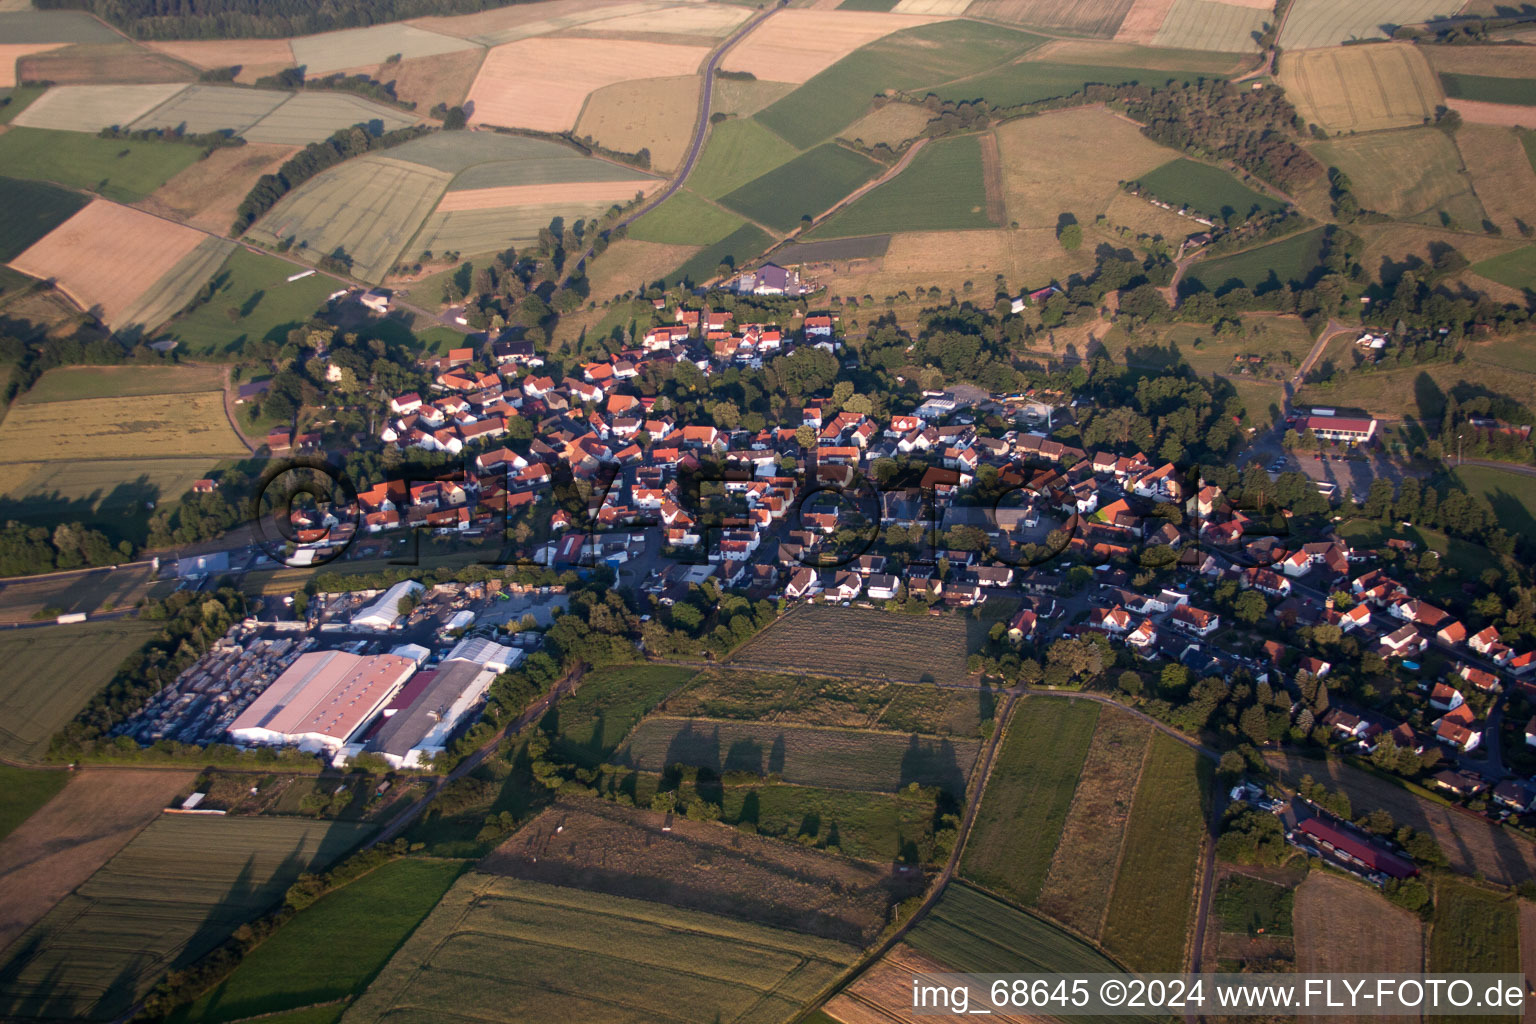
{"points": [[883, 994], [655, 114], [1473, 844], [10, 53], [1344, 926], [1077, 888], [641, 854], [795, 45], [1506, 114], [543, 83], [75, 833], [103, 64], [207, 194], [1142, 21]]}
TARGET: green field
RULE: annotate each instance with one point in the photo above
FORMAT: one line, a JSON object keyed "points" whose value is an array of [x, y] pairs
{"points": [[941, 190], [589, 725], [735, 153], [124, 171], [906, 60], [493, 160], [1205, 189], [368, 208], [971, 932], [253, 300], [501, 948], [332, 948], [866, 5], [1290, 260], [29, 26], [51, 673], [1474, 931], [1512, 495], [807, 186], [68, 383], [1517, 269], [834, 758], [1413, 173], [23, 791], [110, 495], [31, 210], [1252, 906], [14, 101], [685, 219], [741, 246], [1032, 81], [1154, 898], [1029, 790], [1487, 89], [174, 892]]}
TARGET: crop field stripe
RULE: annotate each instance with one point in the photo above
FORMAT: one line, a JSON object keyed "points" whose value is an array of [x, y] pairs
{"points": [[177, 287], [1147, 923], [32, 209], [1027, 796]]}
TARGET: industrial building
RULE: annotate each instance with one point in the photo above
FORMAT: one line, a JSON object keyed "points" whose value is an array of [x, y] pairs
{"points": [[417, 724], [489, 653], [322, 699], [384, 612]]}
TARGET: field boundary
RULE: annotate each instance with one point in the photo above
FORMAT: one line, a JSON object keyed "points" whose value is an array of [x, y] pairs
{"points": [[1141, 770]]}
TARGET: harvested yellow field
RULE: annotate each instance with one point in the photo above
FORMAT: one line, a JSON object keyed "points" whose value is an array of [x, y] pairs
{"points": [[1506, 114], [1361, 88], [892, 124], [523, 21], [654, 113], [1495, 61], [428, 81], [630, 265], [710, 20], [1344, 926], [947, 8], [1142, 217], [795, 45], [559, 192], [1071, 161], [107, 256], [10, 53], [207, 194], [1141, 24], [1397, 242], [947, 259], [883, 993], [247, 54], [1125, 55], [134, 427], [1501, 174], [543, 83]]}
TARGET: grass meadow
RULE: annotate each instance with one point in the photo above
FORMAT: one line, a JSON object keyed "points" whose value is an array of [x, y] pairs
{"points": [[32, 209], [744, 244], [174, 892], [522, 950], [589, 725], [805, 187], [943, 189], [1517, 269], [685, 219], [736, 152], [252, 300], [333, 948], [23, 791], [1415, 173], [1263, 269], [1205, 189], [52, 673], [1473, 931], [1488, 89], [115, 169], [1029, 81], [1152, 906], [1027, 796]]}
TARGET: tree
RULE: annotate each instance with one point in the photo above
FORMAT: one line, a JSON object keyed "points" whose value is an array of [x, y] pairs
{"points": [[805, 436], [1070, 235], [1130, 683], [1250, 607], [1254, 724]]}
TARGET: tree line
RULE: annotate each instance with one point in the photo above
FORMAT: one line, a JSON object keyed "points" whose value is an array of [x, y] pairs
{"points": [[259, 19]]}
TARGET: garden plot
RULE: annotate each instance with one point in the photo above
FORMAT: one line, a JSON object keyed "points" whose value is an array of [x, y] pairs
{"points": [[90, 108], [174, 892], [543, 83], [1315, 23], [795, 45], [312, 117], [110, 258], [205, 108], [1204, 25], [354, 47], [368, 208]]}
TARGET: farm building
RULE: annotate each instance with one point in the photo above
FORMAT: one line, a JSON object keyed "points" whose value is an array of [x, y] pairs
{"points": [[1356, 850], [321, 699], [385, 612], [419, 722], [1332, 427]]}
